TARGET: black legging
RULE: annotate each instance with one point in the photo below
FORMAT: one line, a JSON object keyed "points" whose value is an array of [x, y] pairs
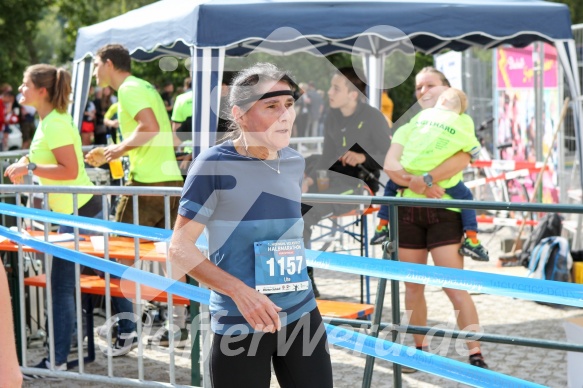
{"points": [[248, 360]]}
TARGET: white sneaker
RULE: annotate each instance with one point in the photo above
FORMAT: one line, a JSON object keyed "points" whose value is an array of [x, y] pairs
{"points": [[102, 331]]}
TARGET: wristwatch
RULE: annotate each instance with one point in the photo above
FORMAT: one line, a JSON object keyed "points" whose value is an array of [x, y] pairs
{"points": [[428, 179], [31, 167]]}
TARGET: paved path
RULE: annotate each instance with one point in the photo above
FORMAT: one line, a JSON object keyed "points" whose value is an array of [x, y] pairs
{"points": [[498, 315]]}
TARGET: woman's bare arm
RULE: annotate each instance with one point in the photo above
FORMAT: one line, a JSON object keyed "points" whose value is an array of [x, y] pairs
{"points": [[393, 166], [67, 166], [445, 170], [259, 311]]}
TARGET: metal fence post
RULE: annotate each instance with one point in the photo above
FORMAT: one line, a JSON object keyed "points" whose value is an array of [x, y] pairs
{"points": [[388, 248], [195, 318]]}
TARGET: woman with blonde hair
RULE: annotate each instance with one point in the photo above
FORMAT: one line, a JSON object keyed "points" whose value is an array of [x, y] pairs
{"points": [[432, 230], [56, 158]]}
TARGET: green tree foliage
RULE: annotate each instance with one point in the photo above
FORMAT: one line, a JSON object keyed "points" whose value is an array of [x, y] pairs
{"points": [[306, 67], [403, 95], [46, 31], [158, 74], [79, 14], [576, 8], [18, 26], [303, 67]]}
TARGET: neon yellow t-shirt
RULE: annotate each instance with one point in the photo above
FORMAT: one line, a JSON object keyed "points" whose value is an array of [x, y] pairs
{"points": [[182, 107], [111, 111], [154, 161], [433, 136], [54, 131]]}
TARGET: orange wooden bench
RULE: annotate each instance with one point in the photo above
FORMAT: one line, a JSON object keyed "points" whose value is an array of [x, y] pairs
{"points": [[119, 248], [95, 285], [123, 248], [91, 284], [336, 309]]}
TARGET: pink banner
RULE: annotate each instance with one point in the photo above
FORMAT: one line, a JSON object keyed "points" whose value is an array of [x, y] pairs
{"points": [[515, 67]]}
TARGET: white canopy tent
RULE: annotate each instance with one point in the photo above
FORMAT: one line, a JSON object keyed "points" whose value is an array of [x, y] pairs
{"points": [[209, 30]]}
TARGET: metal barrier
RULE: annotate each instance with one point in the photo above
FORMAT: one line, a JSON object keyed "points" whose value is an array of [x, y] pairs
{"points": [[19, 262], [391, 252], [307, 145], [322, 260]]}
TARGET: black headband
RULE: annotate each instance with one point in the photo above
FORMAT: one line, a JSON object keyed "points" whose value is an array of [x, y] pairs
{"points": [[258, 97]]}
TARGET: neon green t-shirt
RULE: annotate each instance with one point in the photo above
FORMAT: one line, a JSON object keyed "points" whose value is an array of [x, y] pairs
{"points": [[54, 131], [154, 161], [433, 136], [111, 111], [182, 107]]}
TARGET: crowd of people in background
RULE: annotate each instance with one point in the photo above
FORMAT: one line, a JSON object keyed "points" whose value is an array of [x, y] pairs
{"points": [[17, 122], [100, 114], [125, 113]]}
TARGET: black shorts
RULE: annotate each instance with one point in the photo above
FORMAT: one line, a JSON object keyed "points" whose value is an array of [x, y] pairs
{"points": [[428, 228]]}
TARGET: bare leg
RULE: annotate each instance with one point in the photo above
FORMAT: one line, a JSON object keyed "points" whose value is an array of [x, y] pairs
{"points": [[448, 256], [9, 369], [86, 138], [415, 293]]}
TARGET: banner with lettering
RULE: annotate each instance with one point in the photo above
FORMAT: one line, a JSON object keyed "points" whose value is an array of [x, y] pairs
{"points": [[516, 119], [516, 70]]}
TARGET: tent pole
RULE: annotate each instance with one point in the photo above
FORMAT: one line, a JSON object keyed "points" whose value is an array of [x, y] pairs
{"points": [[80, 85], [569, 61], [374, 65]]}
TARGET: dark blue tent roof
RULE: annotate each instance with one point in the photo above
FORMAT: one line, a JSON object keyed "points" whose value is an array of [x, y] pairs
{"points": [[174, 26], [372, 28]]}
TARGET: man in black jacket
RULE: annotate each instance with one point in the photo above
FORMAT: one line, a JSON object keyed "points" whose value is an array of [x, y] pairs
{"points": [[356, 135]]}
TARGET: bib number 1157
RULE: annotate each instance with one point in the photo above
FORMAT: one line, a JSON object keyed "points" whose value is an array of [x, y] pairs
{"points": [[280, 266], [287, 265]]}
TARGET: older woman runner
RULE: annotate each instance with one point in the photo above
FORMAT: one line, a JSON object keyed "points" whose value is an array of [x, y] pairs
{"points": [[246, 192]]}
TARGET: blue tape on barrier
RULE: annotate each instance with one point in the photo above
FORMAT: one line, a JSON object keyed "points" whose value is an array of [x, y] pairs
{"points": [[349, 339], [129, 273], [513, 286], [93, 224], [525, 288], [431, 363]]}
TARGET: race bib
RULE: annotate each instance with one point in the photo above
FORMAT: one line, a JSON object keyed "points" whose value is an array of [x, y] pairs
{"points": [[280, 266]]}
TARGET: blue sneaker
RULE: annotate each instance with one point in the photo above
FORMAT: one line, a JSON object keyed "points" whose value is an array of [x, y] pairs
{"points": [[475, 251], [380, 235]]}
